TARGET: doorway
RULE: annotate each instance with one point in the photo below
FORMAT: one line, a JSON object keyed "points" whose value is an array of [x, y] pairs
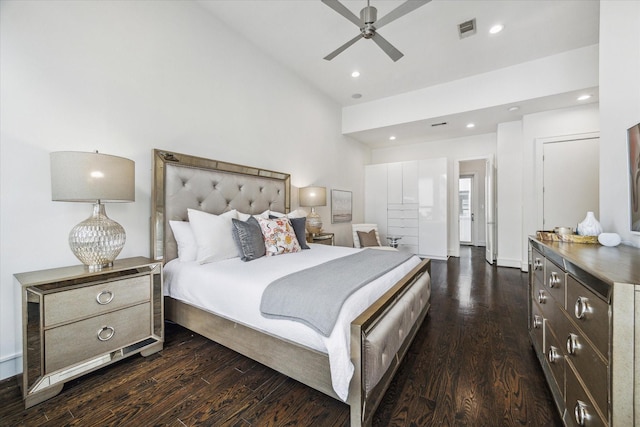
{"points": [[466, 197]]}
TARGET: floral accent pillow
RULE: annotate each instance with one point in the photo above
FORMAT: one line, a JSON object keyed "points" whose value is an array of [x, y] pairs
{"points": [[279, 236]]}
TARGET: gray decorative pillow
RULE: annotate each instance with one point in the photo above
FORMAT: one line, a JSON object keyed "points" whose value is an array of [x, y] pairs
{"points": [[248, 238], [368, 239], [299, 228]]}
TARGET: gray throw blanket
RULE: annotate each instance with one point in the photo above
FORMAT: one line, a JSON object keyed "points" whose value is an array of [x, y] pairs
{"points": [[314, 296]]}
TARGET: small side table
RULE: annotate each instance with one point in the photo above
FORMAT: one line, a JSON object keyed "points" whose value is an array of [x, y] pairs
{"points": [[322, 238], [393, 241]]}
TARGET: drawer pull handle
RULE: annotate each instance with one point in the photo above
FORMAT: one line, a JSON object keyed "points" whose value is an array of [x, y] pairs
{"points": [[554, 279], [573, 345], [537, 264], [106, 333], [541, 297], [537, 321], [105, 297], [581, 307], [580, 413], [553, 354]]}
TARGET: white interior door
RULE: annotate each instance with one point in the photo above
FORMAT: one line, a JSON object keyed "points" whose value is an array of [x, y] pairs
{"points": [[570, 181], [490, 211]]}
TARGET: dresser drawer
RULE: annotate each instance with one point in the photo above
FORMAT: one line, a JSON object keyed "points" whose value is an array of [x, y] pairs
{"points": [[542, 296], [555, 357], [537, 265], [63, 307], [591, 368], [590, 313], [75, 342], [536, 327], [555, 281], [580, 408]]}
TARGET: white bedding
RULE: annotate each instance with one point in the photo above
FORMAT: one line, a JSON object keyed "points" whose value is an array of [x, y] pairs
{"points": [[233, 289]]}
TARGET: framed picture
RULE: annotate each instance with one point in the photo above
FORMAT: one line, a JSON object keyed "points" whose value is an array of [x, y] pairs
{"points": [[340, 206], [633, 134]]}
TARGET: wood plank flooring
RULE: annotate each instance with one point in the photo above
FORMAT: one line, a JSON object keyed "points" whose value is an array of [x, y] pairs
{"points": [[470, 365]]}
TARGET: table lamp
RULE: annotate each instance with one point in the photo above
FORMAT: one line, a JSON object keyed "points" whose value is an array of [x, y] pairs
{"points": [[93, 178], [312, 197]]}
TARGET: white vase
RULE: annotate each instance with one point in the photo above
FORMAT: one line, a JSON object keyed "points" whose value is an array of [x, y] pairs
{"points": [[589, 226]]}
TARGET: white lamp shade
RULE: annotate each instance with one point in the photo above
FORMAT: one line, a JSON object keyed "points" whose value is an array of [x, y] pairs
{"points": [[312, 196], [88, 177]]}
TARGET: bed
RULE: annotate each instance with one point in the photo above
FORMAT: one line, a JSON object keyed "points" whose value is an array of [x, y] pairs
{"points": [[395, 304]]}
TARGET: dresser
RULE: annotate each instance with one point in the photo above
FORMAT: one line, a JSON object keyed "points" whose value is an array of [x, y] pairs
{"points": [[584, 324], [76, 321]]}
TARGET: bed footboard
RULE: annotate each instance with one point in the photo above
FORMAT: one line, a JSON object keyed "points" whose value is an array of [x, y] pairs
{"points": [[380, 338]]}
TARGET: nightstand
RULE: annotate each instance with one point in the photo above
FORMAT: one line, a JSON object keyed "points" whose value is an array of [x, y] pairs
{"points": [[75, 321], [322, 238]]}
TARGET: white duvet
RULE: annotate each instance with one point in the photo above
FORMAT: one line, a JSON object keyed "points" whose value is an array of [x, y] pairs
{"points": [[233, 289]]}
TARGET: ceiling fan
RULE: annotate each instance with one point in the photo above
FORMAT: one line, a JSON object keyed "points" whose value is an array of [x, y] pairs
{"points": [[369, 24]]}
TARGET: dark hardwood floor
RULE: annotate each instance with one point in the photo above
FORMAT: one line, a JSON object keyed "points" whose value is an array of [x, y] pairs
{"points": [[470, 365]]}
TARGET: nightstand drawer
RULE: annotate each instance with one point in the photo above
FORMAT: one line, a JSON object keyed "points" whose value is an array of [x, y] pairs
{"points": [[63, 307], [75, 342]]}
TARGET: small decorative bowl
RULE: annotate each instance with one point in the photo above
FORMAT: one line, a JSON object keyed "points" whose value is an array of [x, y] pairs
{"points": [[563, 230]]}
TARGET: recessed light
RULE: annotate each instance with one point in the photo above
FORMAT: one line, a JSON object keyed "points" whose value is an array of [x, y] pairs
{"points": [[514, 108], [356, 95], [583, 97], [471, 125], [392, 138], [355, 74], [496, 29]]}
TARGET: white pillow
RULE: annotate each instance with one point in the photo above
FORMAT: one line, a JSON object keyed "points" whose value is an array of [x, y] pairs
{"points": [[213, 234], [187, 246]]}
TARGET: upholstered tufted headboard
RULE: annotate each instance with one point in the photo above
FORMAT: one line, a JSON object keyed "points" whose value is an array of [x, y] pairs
{"points": [[182, 182]]}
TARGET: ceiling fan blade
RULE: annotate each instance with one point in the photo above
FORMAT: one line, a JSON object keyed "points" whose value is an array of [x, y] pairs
{"points": [[342, 10], [403, 9], [388, 48], [343, 48]]}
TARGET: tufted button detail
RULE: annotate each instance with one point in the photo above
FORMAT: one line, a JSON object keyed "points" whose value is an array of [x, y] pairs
{"points": [[262, 189]]}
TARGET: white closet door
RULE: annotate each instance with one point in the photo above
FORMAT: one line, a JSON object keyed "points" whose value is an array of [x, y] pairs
{"points": [[432, 219], [410, 182], [394, 183]]}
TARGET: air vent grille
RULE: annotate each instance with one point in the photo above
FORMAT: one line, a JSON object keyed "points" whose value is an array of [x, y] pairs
{"points": [[438, 124], [467, 28]]}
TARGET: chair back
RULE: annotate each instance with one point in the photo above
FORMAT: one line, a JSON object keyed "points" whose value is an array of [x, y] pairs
{"points": [[366, 228]]}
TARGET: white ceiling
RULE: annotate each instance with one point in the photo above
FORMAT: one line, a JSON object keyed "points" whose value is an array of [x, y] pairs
{"points": [[299, 33]]}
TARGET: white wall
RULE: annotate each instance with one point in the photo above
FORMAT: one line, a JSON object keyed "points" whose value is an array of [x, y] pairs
{"points": [[124, 78], [620, 109], [509, 194], [454, 150]]}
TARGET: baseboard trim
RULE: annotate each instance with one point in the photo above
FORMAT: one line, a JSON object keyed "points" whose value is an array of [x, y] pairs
{"points": [[505, 262], [10, 365]]}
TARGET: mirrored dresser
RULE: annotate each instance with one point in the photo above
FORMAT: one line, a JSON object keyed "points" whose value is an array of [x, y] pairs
{"points": [[584, 324], [75, 321]]}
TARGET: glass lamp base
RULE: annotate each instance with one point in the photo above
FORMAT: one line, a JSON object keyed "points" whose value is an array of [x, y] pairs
{"points": [[98, 240], [314, 223]]}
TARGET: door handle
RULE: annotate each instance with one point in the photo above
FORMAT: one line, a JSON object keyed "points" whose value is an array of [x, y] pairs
{"points": [[472, 214]]}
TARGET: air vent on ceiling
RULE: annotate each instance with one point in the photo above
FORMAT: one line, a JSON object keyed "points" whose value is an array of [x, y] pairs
{"points": [[438, 124], [467, 28]]}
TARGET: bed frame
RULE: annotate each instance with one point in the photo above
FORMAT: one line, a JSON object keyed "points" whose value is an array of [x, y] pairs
{"points": [[380, 335]]}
